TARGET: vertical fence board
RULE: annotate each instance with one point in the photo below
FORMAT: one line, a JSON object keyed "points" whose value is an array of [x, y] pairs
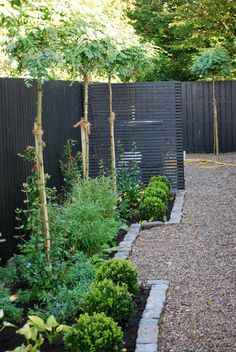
{"points": [[198, 116]]}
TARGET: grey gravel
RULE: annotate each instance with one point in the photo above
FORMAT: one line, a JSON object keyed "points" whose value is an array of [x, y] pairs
{"points": [[198, 257]]}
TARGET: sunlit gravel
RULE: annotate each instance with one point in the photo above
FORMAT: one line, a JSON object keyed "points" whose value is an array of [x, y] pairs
{"points": [[199, 258]]}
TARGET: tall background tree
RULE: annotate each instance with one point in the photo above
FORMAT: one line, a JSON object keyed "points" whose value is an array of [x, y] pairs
{"points": [[213, 63], [183, 29], [32, 46]]}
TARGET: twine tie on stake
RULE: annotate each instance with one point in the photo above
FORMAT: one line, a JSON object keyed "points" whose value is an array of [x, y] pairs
{"points": [[83, 123], [112, 116], [37, 132]]}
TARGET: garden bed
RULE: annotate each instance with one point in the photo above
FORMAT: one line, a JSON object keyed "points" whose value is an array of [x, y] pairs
{"points": [[9, 339]]}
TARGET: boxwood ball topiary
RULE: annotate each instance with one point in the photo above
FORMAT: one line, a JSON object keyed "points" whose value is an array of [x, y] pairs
{"points": [[162, 185], [160, 178], [95, 333], [113, 300], [119, 271], [152, 208], [153, 191]]}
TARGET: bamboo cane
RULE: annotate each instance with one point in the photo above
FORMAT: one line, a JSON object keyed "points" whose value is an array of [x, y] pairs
{"points": [[86, 130], [39, 155], [112, 136], [215, 121]]}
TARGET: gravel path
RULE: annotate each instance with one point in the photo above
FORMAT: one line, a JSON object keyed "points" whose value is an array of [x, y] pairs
{"points": [[199, 258]]}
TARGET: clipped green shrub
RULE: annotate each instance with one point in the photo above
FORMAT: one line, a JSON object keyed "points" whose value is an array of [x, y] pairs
{"points": [[161, 185], [95, 333], [153, 208], [113, 300], [120, 272], [163, 179], [154, 190]]}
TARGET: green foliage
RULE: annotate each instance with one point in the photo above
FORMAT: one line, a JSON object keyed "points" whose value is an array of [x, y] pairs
{"points": [[129, 188], [94, 333], [155, 199], [33, 42], [113, 300], [160, 180], [70, 165], [33, 337], [120, 272], [183, 29], [59, 292], [86, 222], [50, 329], [152, 209], [3, 323], [7, 305], [154, 190], [212, 62]]}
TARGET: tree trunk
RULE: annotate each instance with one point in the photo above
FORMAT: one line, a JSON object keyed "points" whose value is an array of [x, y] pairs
{"points": [[215, 121], [112, 137], [39, 144], [85, 131]]}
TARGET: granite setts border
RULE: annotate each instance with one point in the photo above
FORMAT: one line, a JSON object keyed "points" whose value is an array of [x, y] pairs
{"points": [[176, 213], [125, 246], [147, 340]]}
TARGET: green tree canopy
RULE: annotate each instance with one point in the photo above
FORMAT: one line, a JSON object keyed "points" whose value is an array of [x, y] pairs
{"points": [[183, 29]]}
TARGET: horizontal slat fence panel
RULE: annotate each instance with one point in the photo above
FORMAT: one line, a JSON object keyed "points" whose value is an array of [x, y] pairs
{"points": [[148, 114], [198, 116]]}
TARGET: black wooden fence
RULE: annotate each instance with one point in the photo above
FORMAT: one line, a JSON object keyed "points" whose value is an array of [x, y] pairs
{"points": [[148, 114], [198, 116], [62, 108]]}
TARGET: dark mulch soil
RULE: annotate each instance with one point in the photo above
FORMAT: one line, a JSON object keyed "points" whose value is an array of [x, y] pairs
{"points": [[9, 339], [131, 327]]}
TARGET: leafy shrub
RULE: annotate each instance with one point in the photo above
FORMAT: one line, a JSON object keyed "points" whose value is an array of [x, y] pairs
{"points": [[160, 178], [70, 165], [59, 292], [113, 300], [152, 208], [119, 271], [162, 185], [154, 202], [156, 191], [10, 310], [128, 187], [94, 333], [87, 222]]}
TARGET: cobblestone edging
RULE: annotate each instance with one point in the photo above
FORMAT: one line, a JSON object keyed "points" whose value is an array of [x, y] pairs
{"points": [[176, 215], [126, 245], [147, 340]]}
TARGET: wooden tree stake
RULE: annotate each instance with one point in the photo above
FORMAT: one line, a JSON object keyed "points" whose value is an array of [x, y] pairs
{"points": [[39, 144], [112, 137], [215, 121]]}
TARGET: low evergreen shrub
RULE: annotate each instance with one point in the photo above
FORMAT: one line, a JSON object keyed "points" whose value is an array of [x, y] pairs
{"points": [[154, 190], [113, 300], [120, 272], [95, 333], [160, 178], [153, 209]]}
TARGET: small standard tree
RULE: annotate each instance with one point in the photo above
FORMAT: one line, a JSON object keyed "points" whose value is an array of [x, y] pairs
{"points": [[83, 52], [213, 63], [32, 47]]}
